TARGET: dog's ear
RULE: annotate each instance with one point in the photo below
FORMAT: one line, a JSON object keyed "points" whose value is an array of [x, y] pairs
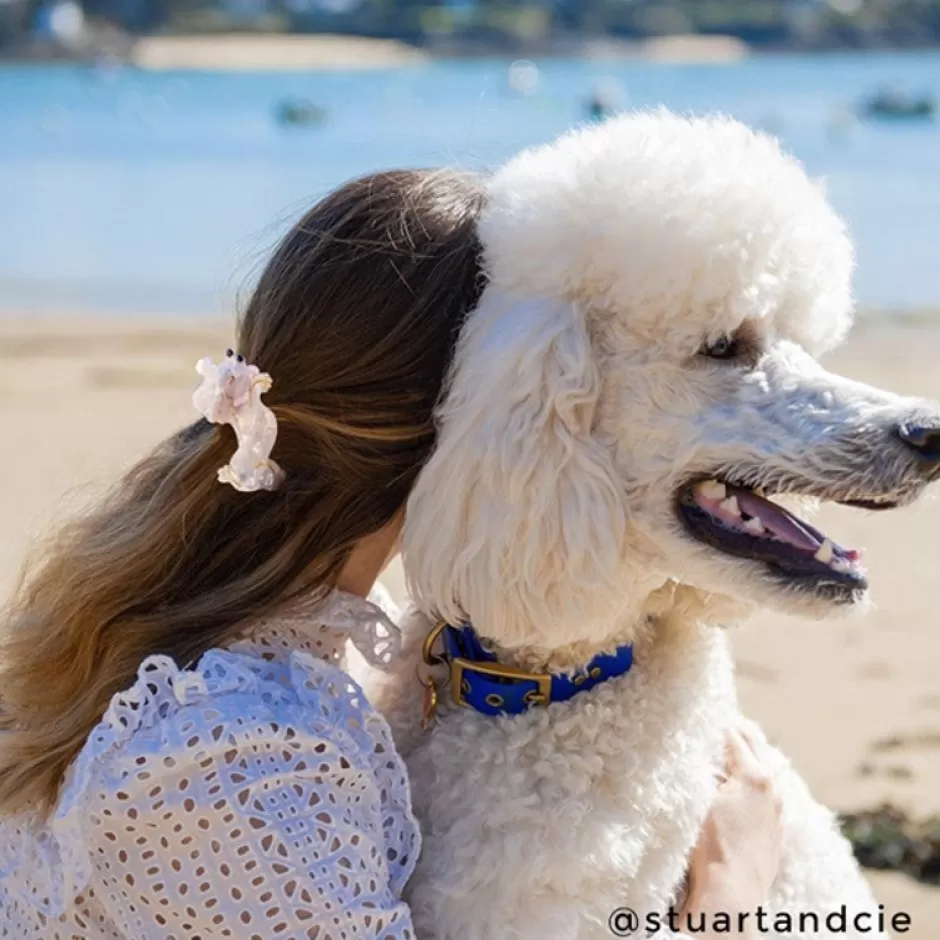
{"points": [[517, 520]]}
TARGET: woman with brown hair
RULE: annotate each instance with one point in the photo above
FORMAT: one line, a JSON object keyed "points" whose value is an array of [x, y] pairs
{"points": [[181, 751]]}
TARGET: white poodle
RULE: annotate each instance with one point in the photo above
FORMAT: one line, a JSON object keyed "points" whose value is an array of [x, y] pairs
{"points": [[631, 403]]}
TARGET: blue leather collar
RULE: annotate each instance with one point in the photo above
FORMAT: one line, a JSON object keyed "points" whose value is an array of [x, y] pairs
{"points": [[478, 680]]}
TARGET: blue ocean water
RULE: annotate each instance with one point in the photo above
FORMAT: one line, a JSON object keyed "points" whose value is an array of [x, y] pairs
{"points": [[129, 191]]}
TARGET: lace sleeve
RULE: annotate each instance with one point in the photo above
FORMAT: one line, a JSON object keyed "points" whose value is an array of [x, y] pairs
{"points": [[252, 823]]}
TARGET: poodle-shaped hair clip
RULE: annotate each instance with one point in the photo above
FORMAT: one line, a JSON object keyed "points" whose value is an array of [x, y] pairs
{"points": [[231, 394]]}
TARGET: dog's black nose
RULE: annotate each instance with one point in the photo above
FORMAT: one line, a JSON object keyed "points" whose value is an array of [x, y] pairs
{"points": [[923, 439]]}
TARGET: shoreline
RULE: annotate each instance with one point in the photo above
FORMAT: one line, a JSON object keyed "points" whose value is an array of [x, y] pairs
{"points": [[241, 51], [277, 52]]}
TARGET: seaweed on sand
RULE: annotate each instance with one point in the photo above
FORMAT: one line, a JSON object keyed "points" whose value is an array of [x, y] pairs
{"points": [[888, 839]]}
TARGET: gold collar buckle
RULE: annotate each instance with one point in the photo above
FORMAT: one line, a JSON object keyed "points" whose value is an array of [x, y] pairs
{"points": [[459, 671], [460, 685]]}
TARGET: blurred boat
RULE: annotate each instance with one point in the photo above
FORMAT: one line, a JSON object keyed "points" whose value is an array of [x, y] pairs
{"points": [[300, 112], [896, 104], [605, 100]]}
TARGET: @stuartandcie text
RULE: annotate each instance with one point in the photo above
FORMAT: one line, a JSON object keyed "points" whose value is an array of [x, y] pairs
{"points": [[626, 922]]}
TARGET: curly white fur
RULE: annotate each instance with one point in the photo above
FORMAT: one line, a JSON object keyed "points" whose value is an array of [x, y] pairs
{"points": [[546, 516]]}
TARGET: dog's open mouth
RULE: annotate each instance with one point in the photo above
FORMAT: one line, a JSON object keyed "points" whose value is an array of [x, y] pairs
{"points": [[745, 523]]}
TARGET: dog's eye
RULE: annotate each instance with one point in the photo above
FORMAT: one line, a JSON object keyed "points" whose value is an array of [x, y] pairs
{"points": [[723, 348]]}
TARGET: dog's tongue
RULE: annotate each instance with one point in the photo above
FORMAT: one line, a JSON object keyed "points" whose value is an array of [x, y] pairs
{"points": [[775, 518], [742, 510], [785, 525]]}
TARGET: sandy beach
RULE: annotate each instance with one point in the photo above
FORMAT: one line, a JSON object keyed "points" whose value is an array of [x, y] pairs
{"points": [[290, 52], [272, 52], [855, 703]]}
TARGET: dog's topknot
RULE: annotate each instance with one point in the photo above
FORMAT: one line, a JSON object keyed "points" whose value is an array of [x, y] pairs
{"points": [[694, 224]]}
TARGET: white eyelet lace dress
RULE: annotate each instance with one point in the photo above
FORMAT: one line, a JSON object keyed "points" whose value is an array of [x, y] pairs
{"points": [[256, 796]]}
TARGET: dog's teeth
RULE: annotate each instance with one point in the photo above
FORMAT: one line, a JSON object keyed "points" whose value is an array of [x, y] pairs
{"points": [[754, 526], [824, 553], [759, 491], [730, 506], [712, 489]]}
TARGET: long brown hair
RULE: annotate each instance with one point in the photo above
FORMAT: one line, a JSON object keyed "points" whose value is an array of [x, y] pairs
{"points": [[355, 318]]}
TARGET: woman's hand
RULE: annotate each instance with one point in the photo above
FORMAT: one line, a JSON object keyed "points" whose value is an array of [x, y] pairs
{"points": [[737, 857]]}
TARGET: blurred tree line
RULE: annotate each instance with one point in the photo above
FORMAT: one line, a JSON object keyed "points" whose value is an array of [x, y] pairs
{"points": [[501, 26]]}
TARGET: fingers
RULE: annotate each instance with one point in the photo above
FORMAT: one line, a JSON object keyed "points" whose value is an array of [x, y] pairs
{"points": [[733, 749], [742, 760]]}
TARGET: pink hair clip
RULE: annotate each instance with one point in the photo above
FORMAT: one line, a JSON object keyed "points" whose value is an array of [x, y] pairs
{"points": [[231, 394]]}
